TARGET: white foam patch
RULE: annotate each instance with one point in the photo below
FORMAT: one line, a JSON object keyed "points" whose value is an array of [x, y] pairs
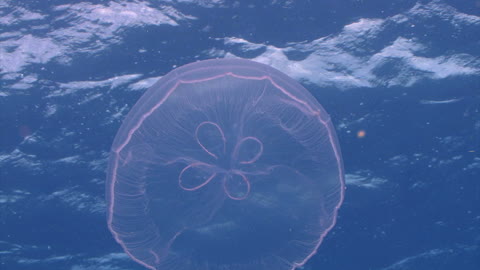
{"points": [[348, 60], [25, 83], [112, 261], [53, 259], [88, 28], [474, 165], [438, 9], [110, 257], [244, 44], [364, 179], [144, 83], [73, 87], [13, 196], [19, 15], [206, 3], [435, 256], [19, 159], [96, 27], [77, 200], [69, 160], [21, 50], [435, 102]]}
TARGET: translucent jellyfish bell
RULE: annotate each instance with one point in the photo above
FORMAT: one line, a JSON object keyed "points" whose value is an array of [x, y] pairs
{"points": [[224, 164]]}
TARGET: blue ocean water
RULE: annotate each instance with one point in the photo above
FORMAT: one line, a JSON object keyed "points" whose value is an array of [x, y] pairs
{"points": [[400, 79]]}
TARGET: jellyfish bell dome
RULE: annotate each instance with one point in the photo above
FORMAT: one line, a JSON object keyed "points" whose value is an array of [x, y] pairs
{"points": [[224, 164]]}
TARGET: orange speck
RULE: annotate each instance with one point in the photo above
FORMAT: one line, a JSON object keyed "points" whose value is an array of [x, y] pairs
{"points": [[361, 134]]}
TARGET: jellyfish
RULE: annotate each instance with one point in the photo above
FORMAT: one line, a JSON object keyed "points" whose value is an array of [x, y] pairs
{"points": [[224, 164]]}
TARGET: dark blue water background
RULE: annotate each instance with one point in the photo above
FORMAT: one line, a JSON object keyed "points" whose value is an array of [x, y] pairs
{"points": [[413, 180]]}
